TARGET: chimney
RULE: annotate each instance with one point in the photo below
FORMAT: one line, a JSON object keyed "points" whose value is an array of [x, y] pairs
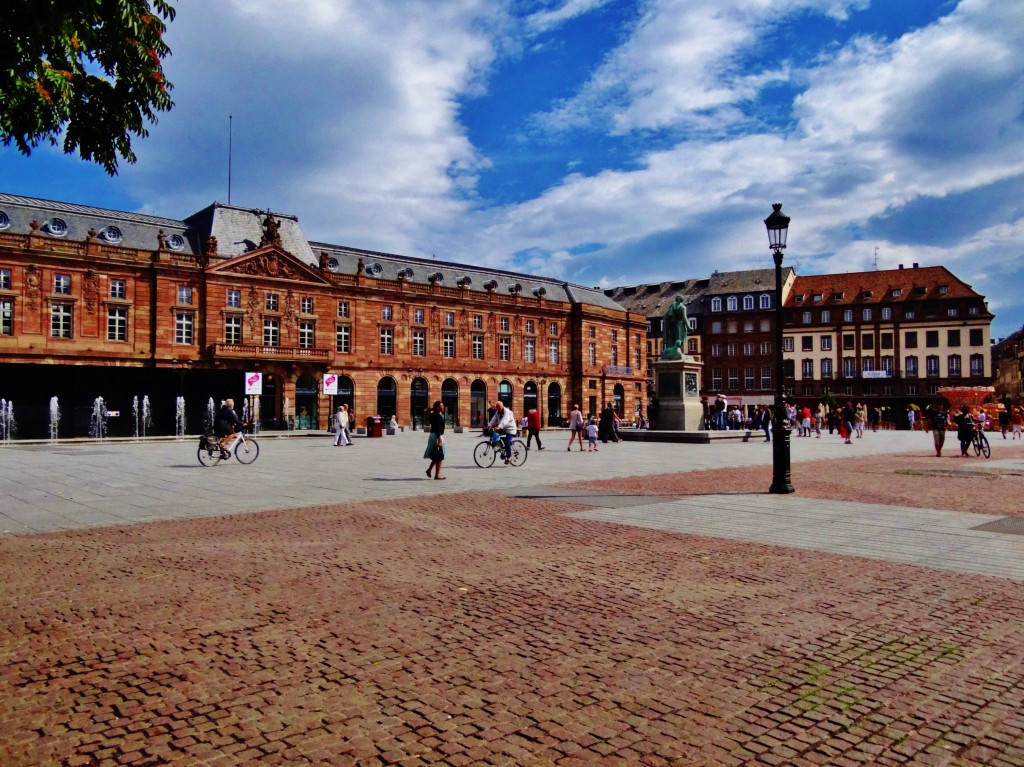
{"points": [[915, 264], [901, 266]]}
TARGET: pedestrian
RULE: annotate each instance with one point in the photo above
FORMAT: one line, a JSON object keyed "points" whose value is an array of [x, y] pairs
{"points": [[576, 427], [860, 415], [341, 426], [1004, 420], [874, 417], [435, 442], [911, 417], [764, 421], [533, 423], [805, 422], [605, 424], [1017, 422], [592, 432], [846, 418], [503, 424], [965, 430], [938, 421]]}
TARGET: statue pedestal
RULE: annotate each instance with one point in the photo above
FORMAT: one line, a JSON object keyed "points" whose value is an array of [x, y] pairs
{"points": [[677, 385]]}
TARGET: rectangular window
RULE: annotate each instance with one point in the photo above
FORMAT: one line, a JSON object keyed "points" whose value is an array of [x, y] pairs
{"points": [[553, 352], [867, 341], [826, 369], [343, 339], [117, 323], [766, 377], [503, 323], [386, 313], [270, 302], [184, 328], [734, 378], [592, 331], [233, 330], [807, 343], [909, 314], [343, 309], [636, 357], [271, 332], [5, 279], [910, 366], [478, 322], [448, 345], [867, 364], [449, 319], [553, 329], [787, 344], [931, 338], [418, 316], [912, 389], [504, 348], [932, 365], [806, 317], [6, 317], [478, 347], [306, 305], [886, 313], [887, 340], [117, 289], [691, 345], [307, 335], [910, 339], [826, 315], [952, 338], [716, 326], [234, 299], [530, 350], [951, 311], [716, 378], [976, 337], [847, 315], [592, 353], [529, 326], [866, 314], [749, 379], [977, 365], [615, 336], [387, 340], [62, 284], [849, 367], [716, 350], [615, 355], [849, 342], [419, 343], [953, 362], [748, 349], [731, 349], [826, 343], [766, 326], [807, 369], [887, 365], [766, 348]]}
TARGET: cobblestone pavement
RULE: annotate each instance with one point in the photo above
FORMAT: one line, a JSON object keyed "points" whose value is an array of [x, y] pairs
{"points": [[458, 628]]}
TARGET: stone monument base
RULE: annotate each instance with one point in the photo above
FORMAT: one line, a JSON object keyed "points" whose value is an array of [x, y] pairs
{"points": [[677, 385]]}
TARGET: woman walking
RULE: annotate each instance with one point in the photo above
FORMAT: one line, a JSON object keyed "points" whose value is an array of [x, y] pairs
{"points": [[435, 443]]}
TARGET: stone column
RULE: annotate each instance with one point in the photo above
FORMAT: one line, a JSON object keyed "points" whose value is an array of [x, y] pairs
{"points": [[677, 386]]}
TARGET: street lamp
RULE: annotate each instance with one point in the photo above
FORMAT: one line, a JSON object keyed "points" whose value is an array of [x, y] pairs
{"points": [[778, 226]]}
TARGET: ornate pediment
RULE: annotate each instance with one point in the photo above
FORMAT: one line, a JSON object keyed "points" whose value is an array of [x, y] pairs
{"points": [[270, 262]]}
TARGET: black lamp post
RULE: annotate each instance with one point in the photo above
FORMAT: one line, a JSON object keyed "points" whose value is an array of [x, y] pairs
{"points": [[778, 226]]}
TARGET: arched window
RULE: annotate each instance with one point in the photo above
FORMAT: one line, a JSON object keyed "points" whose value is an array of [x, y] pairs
{"points": [[766, 300], [748, 302], [505, 393], [731, 303], [529, 397], [716, 304], [477, 404], [386, 397]]}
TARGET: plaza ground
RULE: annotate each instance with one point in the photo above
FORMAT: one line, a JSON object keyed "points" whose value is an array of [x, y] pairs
{"points": [[646, 604]]}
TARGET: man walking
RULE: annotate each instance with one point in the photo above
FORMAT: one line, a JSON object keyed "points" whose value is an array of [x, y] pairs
{"points": [[341, 425], [533, 424], [939, 421]]}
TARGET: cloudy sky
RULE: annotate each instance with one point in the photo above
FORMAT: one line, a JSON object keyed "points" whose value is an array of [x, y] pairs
{"points": [[605, 142]]}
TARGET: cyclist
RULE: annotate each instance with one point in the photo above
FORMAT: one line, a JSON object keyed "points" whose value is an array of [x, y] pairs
{"points": [[503, 423], [225, 425]]}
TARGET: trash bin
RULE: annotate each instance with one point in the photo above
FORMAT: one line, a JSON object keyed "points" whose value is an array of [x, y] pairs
{"points": [[374, 426]]}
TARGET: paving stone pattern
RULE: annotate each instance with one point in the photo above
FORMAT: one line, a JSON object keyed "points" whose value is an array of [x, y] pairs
{"points": [[454, 630]]}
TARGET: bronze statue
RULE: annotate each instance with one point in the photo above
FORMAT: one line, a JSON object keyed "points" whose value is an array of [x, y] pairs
{"points": [[675, 331], [271, 231]]}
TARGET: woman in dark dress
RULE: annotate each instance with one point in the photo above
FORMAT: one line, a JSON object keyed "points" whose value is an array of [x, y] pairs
{"points": [[435, 443], [964, 429]]}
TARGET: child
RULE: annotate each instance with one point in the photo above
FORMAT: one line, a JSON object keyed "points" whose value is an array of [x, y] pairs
{"points": [[592, 435]]}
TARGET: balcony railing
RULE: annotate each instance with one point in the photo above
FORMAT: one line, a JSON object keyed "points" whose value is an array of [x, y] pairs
{"points": [[259, 351]]}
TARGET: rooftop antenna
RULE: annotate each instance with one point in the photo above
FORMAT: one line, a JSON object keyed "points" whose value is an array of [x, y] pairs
{"points": [[876, 258], [230, 119]]}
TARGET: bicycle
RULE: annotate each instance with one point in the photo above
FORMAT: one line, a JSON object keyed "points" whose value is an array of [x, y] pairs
{"points": [[210, 453], [488, 451], [980, 442]]}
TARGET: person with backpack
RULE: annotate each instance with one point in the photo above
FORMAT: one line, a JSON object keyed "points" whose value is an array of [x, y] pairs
{"points": [[939, 422]]}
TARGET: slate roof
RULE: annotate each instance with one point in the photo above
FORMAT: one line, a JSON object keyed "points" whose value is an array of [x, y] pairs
{"points": [[239, 230], [652, 300], [387, 266], [137, 230], [916, 284], [746, 281]]}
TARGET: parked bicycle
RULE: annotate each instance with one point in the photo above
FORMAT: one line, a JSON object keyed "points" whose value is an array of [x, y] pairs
{"points": [[980, 442], [246, 449], [488, 451]]}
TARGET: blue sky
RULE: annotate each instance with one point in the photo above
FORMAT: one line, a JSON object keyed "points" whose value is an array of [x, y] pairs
{"points": [[605, 142]]}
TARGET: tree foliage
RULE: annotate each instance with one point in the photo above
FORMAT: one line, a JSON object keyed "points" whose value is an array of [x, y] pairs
{"points": [[87, 71]]}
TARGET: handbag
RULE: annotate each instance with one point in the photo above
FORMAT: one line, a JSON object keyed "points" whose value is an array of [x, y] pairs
{"points": [[437, 454]]}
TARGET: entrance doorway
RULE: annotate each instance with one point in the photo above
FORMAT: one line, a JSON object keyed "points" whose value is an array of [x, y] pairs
{"points": [[450, 400], [529, 397], [418, 402], [386, 398], [505, 393], [477, 404], [307, 391], [618, 399], [554, 405]]}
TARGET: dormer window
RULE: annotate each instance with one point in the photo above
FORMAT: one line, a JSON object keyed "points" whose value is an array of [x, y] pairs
{"points": [[716, 304], [748, 303], [731, 303], [920, 291], [867, 294], [837, 296], [897, 292], [816, 297], [943, 289], [798, 299]]}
